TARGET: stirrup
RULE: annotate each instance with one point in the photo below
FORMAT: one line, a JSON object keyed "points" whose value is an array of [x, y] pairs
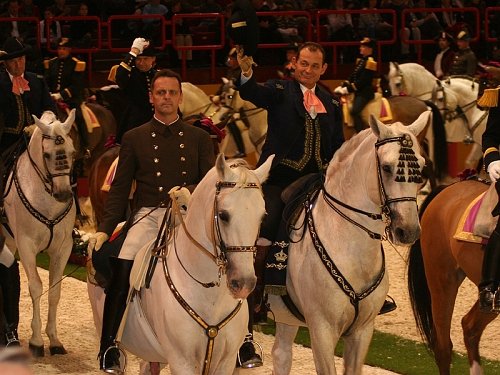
{"points": [[256, 360], [11, 339], [113, 370]]}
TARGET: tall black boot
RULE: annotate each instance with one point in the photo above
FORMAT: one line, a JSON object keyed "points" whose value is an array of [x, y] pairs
{"points": [[259, 302], [247, 356], [238, 139], [114, 307], [11, 290], [489, 299]]}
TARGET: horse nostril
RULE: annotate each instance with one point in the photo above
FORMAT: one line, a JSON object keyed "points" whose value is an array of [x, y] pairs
{"points": [[235, 285]]}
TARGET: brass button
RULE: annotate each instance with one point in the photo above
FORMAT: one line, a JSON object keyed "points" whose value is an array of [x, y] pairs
{"points": [[160, 189], [184, 173], [181, 145], [155, 147], [153, 134], [158, 174], [183, 158], [181, 133], [156, 160]]}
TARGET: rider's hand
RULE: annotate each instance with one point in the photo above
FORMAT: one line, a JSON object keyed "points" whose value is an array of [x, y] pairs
{"points": [[138, 46], [56, 96], [28, 130], [96, 240], [341, 90], [245, 62], [181, 195], [494, 170]]}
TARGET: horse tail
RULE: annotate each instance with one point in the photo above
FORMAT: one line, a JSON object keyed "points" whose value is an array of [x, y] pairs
{"points": [[418, 288], [440, 145]]}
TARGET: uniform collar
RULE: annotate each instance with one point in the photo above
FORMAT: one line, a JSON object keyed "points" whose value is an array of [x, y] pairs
{"points": [[164, 128]]}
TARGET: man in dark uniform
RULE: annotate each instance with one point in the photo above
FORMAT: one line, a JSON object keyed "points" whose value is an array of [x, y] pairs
{"points": [[64, 75], [465, 61], [444, 58], [304, 131], [159, 155], [361, 82], [134, 75], [22, 94], [489, 295]]}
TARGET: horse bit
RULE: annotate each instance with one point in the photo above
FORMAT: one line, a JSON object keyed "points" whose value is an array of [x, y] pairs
{"points": [[219, 257], [407, 161]]}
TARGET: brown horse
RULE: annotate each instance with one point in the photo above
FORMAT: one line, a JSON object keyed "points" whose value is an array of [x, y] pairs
{"points": [[438, 264]]}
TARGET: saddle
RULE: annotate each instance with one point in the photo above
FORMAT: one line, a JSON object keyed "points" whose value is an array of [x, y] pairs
{"points": [[110, 176], [477, 222], [378, 105], [90, 118]]}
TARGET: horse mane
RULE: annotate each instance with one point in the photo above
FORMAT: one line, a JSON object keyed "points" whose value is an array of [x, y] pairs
{"points": [[345, 151]]}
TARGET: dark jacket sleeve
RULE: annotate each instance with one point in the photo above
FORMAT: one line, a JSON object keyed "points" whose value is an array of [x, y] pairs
{"points": [[263, 96], [124, 70]]}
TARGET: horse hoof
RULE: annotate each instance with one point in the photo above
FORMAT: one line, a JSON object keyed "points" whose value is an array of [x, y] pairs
{"points": [[57, 350], [37, 351]]}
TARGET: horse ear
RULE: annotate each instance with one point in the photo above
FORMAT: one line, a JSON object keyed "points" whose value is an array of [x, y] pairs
{"points": [[420, 123], [223, 170], [263, 171], [378, 127], [225, 80], [45, 128], [69, 121]]}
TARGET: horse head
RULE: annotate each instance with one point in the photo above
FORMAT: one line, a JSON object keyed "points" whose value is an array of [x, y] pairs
{"points": [[399, 168], [52, 152], [395, 78], [239, 209]]}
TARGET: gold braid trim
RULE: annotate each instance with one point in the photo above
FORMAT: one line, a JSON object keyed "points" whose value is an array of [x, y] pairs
{"points": [[489, 151], [489, 98]]}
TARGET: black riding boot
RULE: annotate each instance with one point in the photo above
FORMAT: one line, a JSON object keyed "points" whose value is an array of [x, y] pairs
{"points": [[11, 289], [247, 356], [259, 302], [114, 307], [489, 299], [238, 139]]}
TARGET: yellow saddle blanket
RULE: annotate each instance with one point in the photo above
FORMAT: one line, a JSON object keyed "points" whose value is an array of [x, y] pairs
{"points": [[379, 105]]}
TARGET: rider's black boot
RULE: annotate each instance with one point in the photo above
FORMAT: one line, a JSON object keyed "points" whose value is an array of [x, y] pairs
{"points": [[11, 289], [114, 307], [260, 308], [489, 299], [238, 139]]}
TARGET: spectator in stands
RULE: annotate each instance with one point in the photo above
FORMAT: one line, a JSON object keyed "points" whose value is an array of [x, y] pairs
{"points": [[288, 26], [134, 76], [183, 36], [65, 76], [341, 27], [373, 25], [17, 29], [426, 22], [291, 52], [445, 56], [50, 30], [465, 61], [28, 9], [151, 28], [82, 32], [404, 31], [450, 21], [60, 9]]}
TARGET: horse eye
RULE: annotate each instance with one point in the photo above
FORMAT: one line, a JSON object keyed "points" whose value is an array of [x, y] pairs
{"points": [[224, 216], [387, 168], [46, 155]]}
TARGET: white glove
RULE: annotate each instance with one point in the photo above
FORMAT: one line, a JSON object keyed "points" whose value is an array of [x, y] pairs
{"points": [[139, 45], [245, 62], [341, 90], [494, 170], [29, 130], [181, 194], [96, 240], [56, 96]]}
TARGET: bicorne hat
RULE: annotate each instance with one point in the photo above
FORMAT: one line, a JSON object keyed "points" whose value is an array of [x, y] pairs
{"points": [[369, 42], [13, 48], [243, 26]]}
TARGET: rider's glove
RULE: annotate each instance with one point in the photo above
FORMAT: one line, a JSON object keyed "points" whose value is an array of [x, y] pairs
{"points": [[96, 240], [245, 62], [341, 90], [494, 170], [56, 96], [181, 195], [138, 46]]}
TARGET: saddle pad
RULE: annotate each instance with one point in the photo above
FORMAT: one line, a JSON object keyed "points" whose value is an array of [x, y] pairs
{"points": [[110, 176], [90, 118], [465, 227], [384, 110]]}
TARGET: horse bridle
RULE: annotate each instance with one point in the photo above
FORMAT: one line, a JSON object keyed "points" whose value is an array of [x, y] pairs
{"points": [[385, 215], [219, 257], [47, 180]]}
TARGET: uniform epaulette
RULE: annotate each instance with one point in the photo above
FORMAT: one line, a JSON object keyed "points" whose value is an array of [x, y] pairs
{"points": [[371, 64], [489, 98], [112, 74], [80, 65], [46, 62]]}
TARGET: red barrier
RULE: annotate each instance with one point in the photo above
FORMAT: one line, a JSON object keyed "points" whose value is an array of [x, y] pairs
{"points": [[335, 44], [488, 15]]}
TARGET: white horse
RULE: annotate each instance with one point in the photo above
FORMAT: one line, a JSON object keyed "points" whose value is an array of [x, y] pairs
{"points": [[251, 121], [456, 97], [336, 271], [41, 214], [194, 315]]}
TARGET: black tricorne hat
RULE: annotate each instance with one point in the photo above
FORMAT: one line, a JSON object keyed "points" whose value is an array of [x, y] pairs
{"points": [[13, 48], [463, 35], [149, 51], [243, 26], [444, 35], [64, 42], [369, 42]]}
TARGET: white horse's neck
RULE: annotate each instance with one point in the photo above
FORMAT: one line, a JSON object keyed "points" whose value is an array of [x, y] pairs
{"points": [[418, 81]]}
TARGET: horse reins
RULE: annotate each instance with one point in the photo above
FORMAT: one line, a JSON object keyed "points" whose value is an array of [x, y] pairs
{"points": [[385, 215], [219, 257]]}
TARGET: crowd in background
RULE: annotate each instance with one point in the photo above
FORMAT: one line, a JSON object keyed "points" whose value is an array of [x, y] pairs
{"points": [[349, 26]]}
